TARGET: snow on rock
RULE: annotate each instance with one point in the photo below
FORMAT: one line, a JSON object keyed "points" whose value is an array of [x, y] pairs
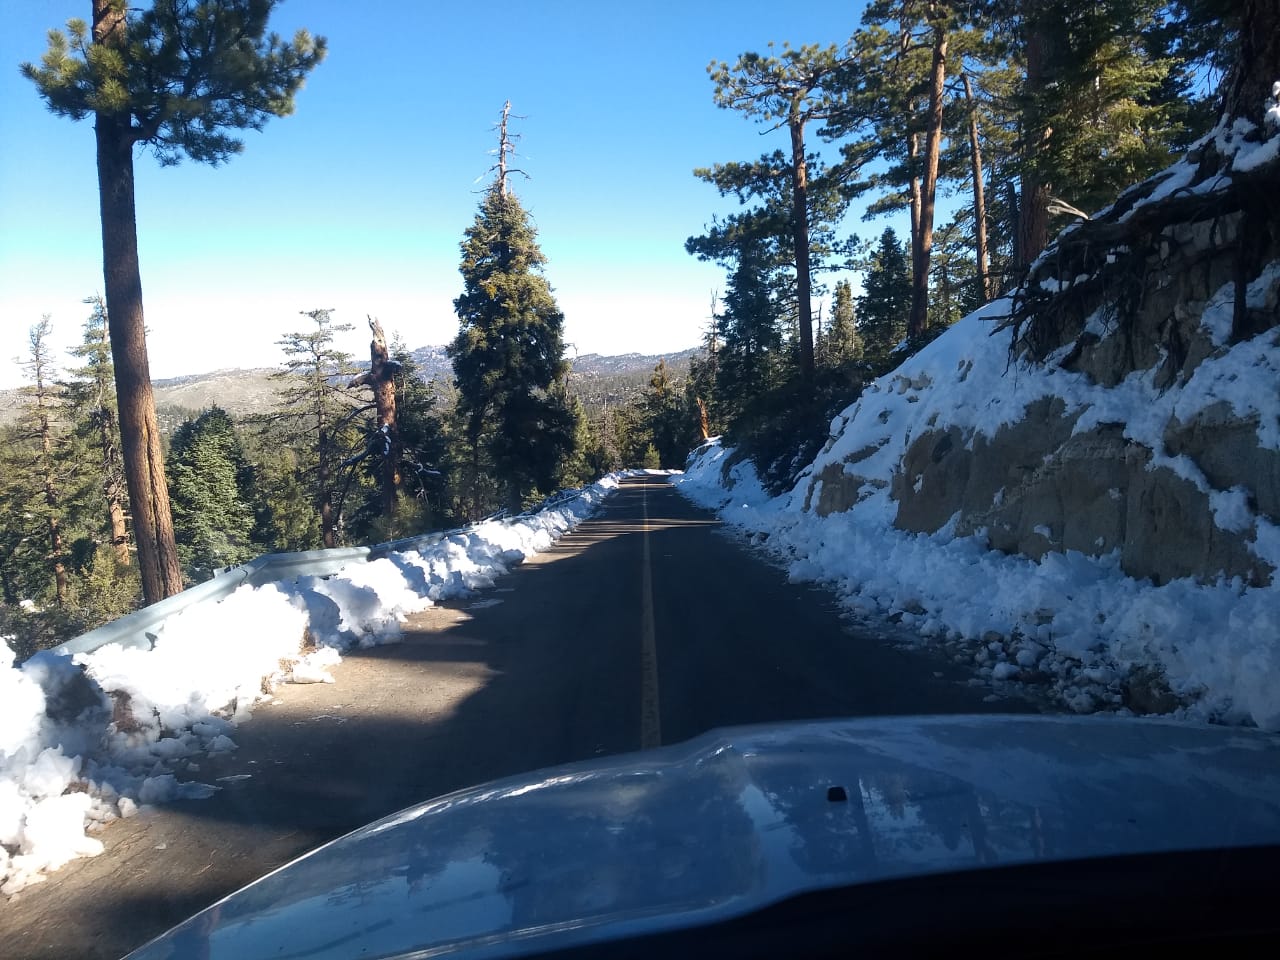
{"points": [[89, 739]]}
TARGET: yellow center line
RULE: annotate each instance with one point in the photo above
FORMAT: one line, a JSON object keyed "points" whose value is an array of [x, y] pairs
{"points": [[650, 723]]}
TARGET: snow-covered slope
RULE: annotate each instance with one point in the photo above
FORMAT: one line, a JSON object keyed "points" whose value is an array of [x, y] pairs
{"points": [[1096, 515]]}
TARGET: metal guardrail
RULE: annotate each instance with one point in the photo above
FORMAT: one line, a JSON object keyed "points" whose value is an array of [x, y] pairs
{"points": [[139, 629]]}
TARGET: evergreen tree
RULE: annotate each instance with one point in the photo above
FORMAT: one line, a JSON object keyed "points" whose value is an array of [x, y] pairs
{"points": [[1098, 96], [667, 417], [956, 282], [175, 77], [315, 405], [56, 578], [508, 358], [422, 455], [579, 466], [91, 394], [605, 454], [45, 422], [213, 490], [841, 341], [750, 360], [287, 516], [790, 90], [886, 299]]}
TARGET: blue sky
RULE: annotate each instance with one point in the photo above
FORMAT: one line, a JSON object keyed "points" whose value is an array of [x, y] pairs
{"points": [[359, 200]]}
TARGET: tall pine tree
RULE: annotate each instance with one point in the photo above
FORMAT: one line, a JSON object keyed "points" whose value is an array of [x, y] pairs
{"points": [[179, 77], [791, 90], [508, 356]]}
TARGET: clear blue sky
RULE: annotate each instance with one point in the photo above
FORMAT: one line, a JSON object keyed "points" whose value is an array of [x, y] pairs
{"points": [[359, 200]]}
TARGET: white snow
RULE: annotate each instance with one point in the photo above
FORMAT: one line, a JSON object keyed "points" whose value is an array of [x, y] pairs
{"points": [[148, 712], [1078, 620]]}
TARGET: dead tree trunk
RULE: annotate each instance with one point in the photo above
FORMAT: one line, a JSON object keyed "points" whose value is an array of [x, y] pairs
{"points": [[382, 372]]}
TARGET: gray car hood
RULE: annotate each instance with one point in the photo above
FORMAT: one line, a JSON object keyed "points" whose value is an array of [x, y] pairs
{"points": [[739, 818]]}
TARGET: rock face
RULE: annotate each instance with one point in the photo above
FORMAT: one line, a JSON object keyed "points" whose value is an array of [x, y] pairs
{"points": [[1033, 490], [1151, 425]]}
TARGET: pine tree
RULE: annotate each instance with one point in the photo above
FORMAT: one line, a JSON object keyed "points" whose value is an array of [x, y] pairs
{"points": [[750, 356], [176, 77], [46, 421], [57, 576], [1100, 99], [579, 467], [605, 454], [791, 90], [213, 490], [886, 299], [315, 405], [508, 357], [287, 517], [667, 417], [955, 278], [91, 394], [421, 461], [841, 341]]}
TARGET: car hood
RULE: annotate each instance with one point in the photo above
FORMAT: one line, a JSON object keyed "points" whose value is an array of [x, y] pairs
{"points": [[739, 818]]}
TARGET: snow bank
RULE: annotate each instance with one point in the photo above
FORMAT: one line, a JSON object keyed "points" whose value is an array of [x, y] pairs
{"points": [[1073, 624], [1069, 623], [87, 740]]}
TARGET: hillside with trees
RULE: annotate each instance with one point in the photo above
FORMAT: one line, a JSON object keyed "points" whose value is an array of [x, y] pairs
{"points": [[979, 130], [1074, 487]]}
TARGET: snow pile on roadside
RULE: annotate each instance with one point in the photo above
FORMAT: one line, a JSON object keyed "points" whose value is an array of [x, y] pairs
{"points": [[85, 741], [1070, 623]]}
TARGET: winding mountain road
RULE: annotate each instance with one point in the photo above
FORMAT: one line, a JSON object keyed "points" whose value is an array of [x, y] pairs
{"points": [[644, 626]]}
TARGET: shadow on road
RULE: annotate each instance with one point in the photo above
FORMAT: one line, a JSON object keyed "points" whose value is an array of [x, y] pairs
{"points": [[542, 670]]}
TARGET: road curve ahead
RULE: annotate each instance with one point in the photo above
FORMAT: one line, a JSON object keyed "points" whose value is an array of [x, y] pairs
{"points": [[645, 625]]}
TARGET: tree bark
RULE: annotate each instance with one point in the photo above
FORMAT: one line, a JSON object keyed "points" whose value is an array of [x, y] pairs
{"points": [[800, 240], [919, 319], [1033, 199], [382, 379], [1257, 61], [915, 205], [111, 491], [324, 506], [979, 195], [158, 564]]}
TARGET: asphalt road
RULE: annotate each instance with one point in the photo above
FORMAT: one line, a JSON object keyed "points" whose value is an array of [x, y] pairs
{"points": [[644, 626]]}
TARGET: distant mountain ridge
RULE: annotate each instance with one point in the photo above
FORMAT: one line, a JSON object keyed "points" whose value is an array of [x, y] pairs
{"points": [[597, 379], [434, 362]]}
